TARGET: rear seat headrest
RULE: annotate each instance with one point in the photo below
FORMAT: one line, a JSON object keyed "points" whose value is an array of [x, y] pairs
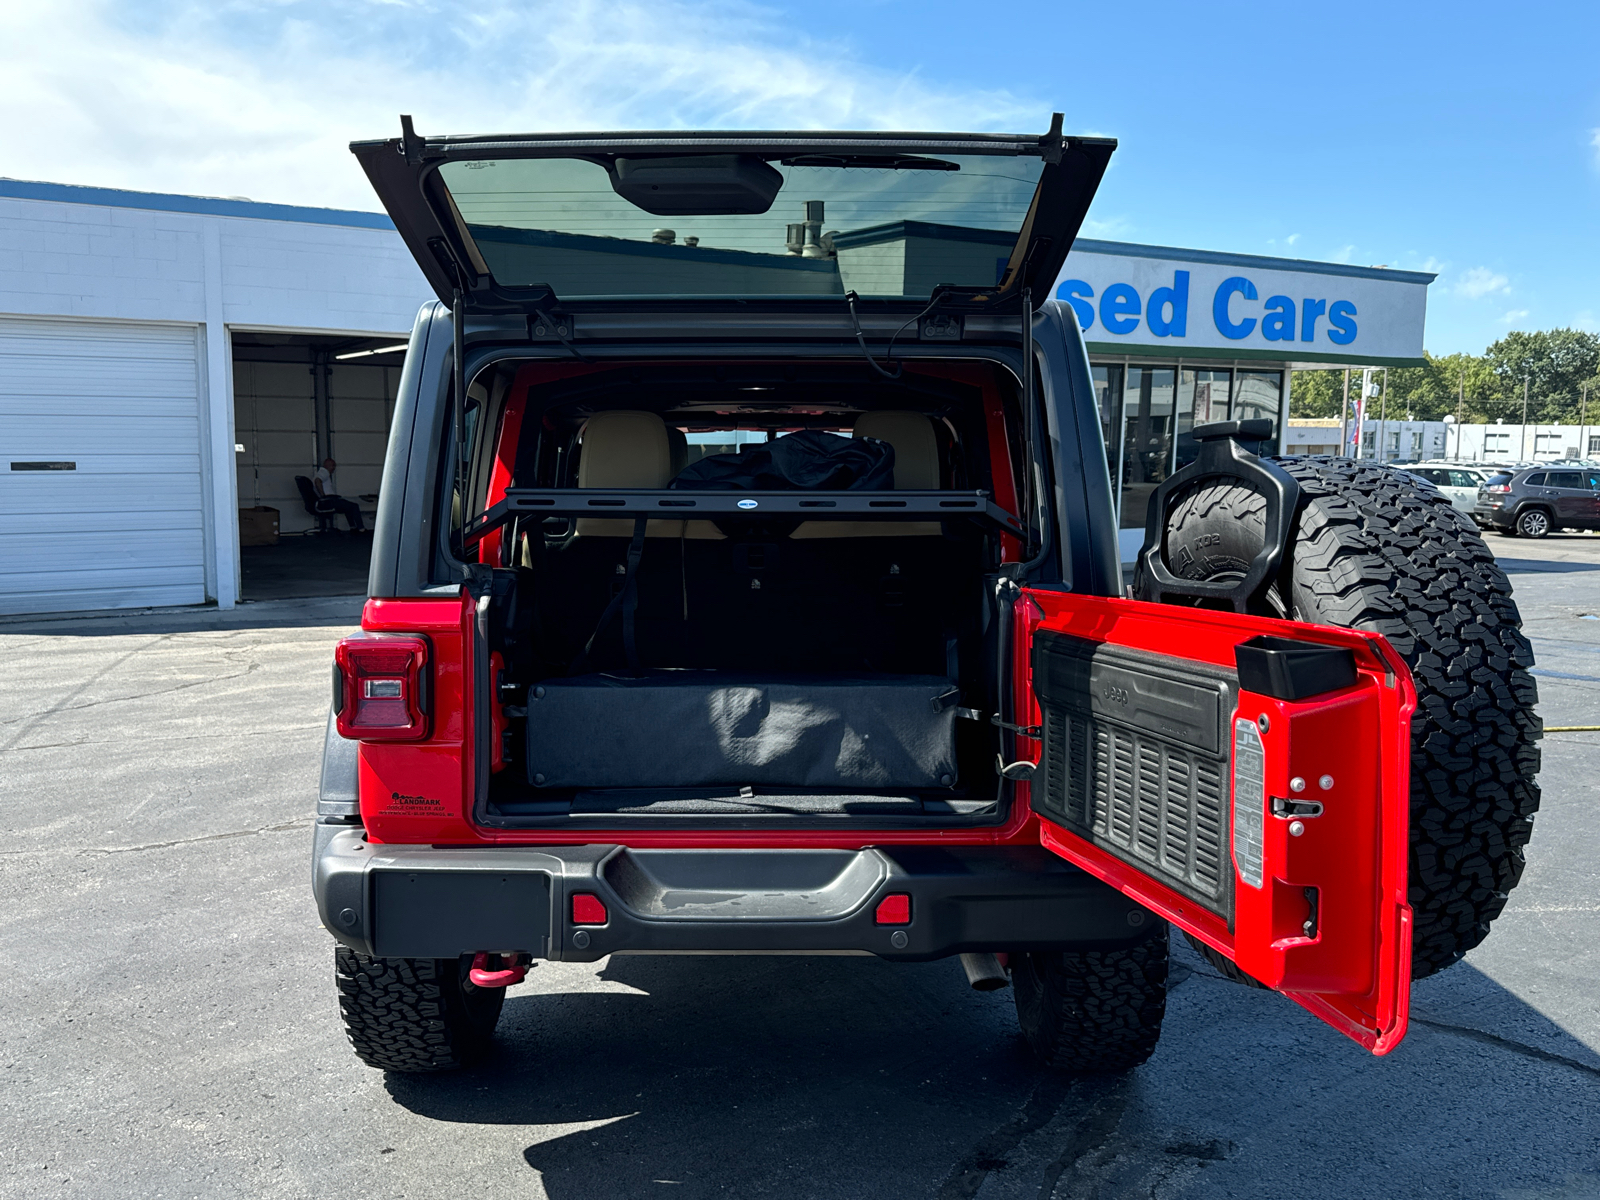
{"points": [[916, 449], [625, 448]]}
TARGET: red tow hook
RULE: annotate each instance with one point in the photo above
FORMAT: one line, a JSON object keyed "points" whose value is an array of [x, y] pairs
{"points": [[512, 970]]}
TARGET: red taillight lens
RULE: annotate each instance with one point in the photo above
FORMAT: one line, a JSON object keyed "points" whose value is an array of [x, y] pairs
{"points": [[1497, 487], [893, 910], [588, 910], [383, 685]]}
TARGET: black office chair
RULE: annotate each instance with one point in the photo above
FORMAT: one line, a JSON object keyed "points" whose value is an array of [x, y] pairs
{"points": [[319, 507]]}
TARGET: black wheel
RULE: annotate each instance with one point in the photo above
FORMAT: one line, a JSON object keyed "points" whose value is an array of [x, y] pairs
{"points": [[414, 1014], [1533, 522], [1378, 549], [1092, 1011]]}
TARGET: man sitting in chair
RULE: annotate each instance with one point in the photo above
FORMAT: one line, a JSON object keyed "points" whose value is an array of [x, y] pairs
{"points": [[323, 482]]}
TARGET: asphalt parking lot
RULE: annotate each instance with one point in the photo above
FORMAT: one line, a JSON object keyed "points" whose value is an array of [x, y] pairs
{"points": [[170, 1027]]}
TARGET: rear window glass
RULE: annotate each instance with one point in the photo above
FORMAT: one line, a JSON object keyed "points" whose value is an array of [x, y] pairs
{"points": [[893, 231], [1497, 480]]}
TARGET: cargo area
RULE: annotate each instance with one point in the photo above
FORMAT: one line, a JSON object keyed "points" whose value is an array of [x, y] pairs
{"points": [[753, 667]]}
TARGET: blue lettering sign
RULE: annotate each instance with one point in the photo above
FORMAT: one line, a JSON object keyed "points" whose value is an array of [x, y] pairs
{"points": [[1219, 308], [1175, 297], [1119, 308], [1342, 328], [1277, 322], [1078, 294], [1310, 310]]}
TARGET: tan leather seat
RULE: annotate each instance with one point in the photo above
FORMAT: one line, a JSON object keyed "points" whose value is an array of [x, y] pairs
{"points": [[628, 448], [916, 468]]}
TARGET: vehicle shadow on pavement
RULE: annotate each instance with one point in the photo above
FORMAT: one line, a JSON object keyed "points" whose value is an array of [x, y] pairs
{"points": [[855, 1077], [1543, 566]]}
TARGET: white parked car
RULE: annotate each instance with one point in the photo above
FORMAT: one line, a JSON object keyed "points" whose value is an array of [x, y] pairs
{"points": [[1460, 483]]}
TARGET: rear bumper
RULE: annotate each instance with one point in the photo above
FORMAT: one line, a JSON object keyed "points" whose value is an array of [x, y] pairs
{"points": [[1499, 518], [427, 902]]}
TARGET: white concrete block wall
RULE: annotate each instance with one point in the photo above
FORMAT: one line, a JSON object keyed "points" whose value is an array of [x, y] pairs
{"points": [[1506, 443], [123, 256]]}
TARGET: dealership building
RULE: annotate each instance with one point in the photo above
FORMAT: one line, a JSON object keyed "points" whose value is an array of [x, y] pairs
{"points": [[167, 361]]}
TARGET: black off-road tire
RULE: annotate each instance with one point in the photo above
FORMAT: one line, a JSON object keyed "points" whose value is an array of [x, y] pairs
{"points": [[1379, 549], [1092, 1011], [414, 1014], [1533, 522]]}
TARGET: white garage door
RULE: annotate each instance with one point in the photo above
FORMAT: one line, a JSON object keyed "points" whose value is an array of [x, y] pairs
{"points": [[100, 476]]}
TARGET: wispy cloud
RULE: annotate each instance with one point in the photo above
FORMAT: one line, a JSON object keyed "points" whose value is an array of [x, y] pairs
{"points": [[1111, 227], [1292, 239], [1343, 255], [1481, 281], [1512, 317], [261, 97], [1594, 144]]}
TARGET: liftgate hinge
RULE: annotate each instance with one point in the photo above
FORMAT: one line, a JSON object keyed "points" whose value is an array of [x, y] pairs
{"points": [[1027, 731]]}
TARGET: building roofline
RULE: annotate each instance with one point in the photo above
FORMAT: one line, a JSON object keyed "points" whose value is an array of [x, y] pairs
{"points": [[1260, 262], [208, 206], [894, 231], [219, 206]]}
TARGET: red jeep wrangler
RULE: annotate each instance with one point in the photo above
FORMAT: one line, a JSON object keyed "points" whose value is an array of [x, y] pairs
{"points": [[746, 581]]}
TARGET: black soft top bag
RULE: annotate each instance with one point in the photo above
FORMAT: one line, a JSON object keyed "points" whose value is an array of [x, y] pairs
{"points": [[810, 460]]}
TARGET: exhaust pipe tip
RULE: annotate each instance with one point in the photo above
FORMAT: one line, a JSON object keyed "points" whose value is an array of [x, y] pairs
{"points": [[984, 972]]}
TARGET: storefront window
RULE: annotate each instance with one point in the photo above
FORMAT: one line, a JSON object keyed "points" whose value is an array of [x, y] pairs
{"points": [[1258, 394], [1202, 398], [1108, 396], [1148, 401]]}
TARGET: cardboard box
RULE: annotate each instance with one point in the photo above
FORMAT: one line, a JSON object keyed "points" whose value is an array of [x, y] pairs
{"points": [[258, 526]]}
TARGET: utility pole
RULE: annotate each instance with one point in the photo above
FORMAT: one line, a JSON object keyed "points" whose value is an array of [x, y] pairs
{"points": [[1461, 406], [1525, 417], [1344, 419], [1583, 424], [1361, 411], [1383, 419]]}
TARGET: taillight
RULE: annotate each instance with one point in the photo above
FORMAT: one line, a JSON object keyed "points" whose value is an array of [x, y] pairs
{"points": [[1497, 487], [381, 692]]}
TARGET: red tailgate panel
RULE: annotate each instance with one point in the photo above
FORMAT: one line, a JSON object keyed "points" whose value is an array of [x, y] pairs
{"points": [[1319, 913]]}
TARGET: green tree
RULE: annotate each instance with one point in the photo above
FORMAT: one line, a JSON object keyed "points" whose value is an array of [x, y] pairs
{"points": [[1317, 393], [1557, 364]]}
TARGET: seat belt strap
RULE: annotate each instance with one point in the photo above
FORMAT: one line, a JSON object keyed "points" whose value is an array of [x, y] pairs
{"points": [[627, 600], [630, 595]]}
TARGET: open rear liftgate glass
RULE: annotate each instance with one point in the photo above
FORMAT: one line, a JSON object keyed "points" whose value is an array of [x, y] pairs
{"points": [[1246, 778]]}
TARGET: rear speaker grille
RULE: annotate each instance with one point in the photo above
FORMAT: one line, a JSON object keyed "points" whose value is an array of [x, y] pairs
{"points": [[1160, 805], [1148, 799]]}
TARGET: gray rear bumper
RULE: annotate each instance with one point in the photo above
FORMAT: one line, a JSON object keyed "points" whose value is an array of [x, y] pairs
{"points": [[427, 902]]}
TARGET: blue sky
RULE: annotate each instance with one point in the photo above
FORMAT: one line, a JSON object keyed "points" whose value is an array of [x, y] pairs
{"points": [[1462, 138]]}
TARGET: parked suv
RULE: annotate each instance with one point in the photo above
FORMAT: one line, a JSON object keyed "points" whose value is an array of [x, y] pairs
{"points": [[1530, 503], [745, 580]]}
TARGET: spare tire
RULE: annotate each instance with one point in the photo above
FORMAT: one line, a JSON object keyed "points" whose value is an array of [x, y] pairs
{"points": [[1379, 549]]}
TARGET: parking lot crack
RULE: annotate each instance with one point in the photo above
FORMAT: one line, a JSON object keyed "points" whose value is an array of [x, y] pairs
{"points": [[209, 837], [1522, 1048], [28, 722]]}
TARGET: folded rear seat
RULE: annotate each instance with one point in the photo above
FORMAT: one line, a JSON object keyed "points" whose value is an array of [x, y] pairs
{"points": [[691, 728]]}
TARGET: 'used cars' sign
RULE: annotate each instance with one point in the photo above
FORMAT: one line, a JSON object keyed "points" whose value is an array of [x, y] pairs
{"points": [[1139, 296]]}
